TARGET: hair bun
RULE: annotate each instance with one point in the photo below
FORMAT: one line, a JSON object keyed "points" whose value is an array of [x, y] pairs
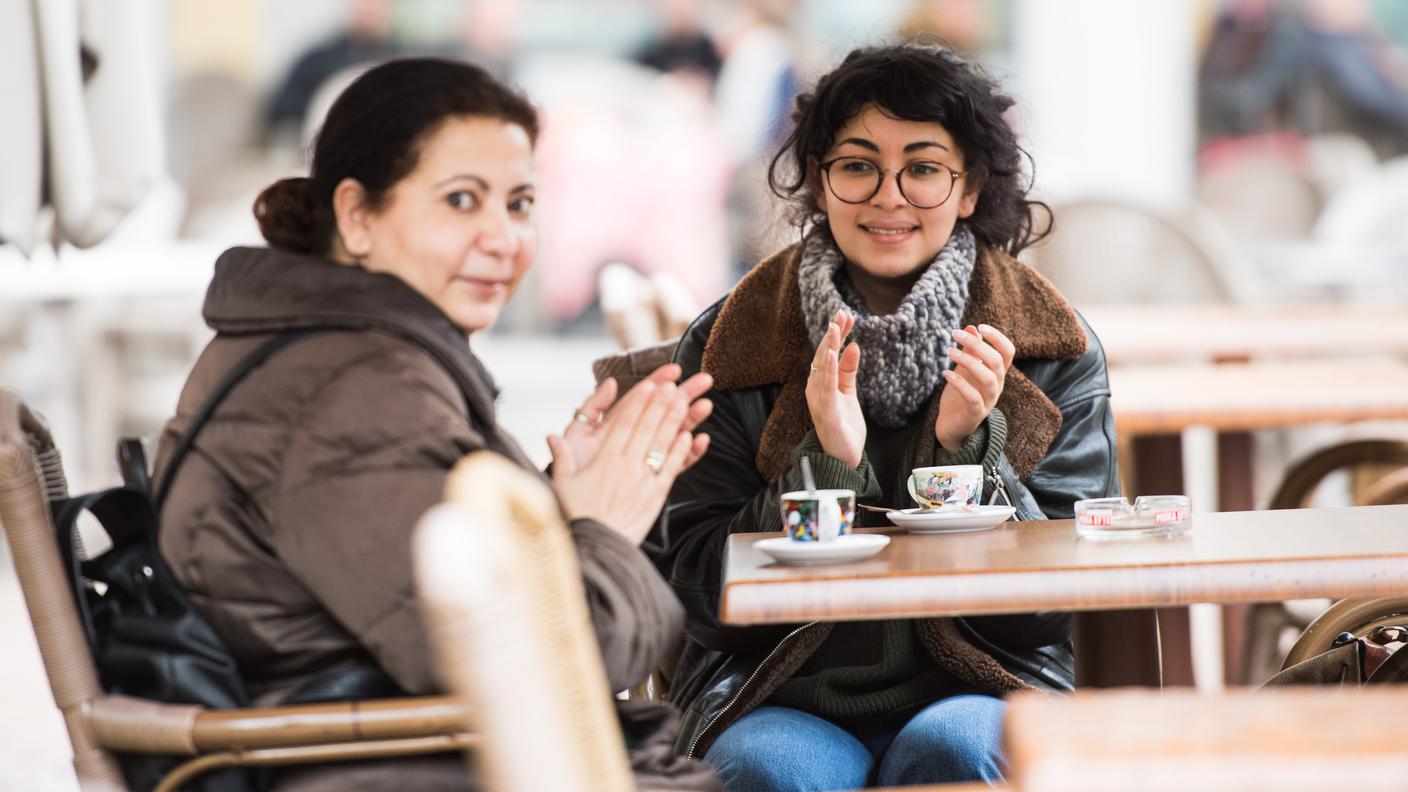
{"points": [[289, 217]]}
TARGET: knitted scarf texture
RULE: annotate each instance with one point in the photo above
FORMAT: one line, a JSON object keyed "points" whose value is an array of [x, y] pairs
{"points": [[903, 354]]}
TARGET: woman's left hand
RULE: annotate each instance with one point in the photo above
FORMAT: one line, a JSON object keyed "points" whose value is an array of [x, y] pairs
{"points": [[585, 434], [980, 364]]}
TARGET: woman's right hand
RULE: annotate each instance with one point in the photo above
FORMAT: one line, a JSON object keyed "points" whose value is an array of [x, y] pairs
{"points": [[831, 393], [618, 487]]}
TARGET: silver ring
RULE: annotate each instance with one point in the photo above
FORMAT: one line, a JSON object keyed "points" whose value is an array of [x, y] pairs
{"points": [[655, 460], [581, 418], [815, 369]]}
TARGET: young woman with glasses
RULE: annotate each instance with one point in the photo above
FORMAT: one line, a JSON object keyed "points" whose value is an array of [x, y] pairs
{"points": [[898, 332]]}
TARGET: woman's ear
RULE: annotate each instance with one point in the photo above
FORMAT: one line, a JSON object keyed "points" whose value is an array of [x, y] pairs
{"points": [[969, 201], [353, 213]]}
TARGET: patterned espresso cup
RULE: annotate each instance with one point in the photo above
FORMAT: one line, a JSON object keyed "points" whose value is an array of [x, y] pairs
{"points": [[946, 487], [820, 516]]}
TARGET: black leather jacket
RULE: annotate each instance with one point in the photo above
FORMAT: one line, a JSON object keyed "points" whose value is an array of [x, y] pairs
{"points": [[725, 494]]}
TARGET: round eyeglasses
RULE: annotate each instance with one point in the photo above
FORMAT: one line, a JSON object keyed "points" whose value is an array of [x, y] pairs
{"points": [[924, 184]]}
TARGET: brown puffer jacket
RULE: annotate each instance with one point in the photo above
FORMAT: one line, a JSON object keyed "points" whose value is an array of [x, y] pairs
{"points": [[289, 521]]}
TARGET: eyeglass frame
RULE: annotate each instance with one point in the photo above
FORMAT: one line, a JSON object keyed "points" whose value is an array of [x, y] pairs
{"points": [[880, 182]]}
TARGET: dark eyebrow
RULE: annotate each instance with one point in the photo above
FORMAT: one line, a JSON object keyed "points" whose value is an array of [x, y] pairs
{"points": [[862, 142], [522, 187], [866, 144], [923, 144]]}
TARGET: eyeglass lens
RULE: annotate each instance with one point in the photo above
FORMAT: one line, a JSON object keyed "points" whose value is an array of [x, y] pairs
{"points": [[924, 184]]}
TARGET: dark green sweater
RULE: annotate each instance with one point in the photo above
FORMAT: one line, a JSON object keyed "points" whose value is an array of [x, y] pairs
{"points": [[869, 669]]}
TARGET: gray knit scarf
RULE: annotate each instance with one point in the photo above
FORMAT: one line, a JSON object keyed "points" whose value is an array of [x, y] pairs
{"points": [[902, 355]]}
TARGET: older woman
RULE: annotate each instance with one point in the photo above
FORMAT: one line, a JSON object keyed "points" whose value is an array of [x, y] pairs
{"points": [[906, 179], [290, 522]]}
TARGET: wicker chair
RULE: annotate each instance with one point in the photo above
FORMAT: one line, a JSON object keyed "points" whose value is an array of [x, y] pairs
{"points": [[100, 724], [631, 366], [1266, 621], [503, 598]]}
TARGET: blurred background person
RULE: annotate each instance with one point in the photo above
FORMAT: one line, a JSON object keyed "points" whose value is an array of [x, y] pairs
{"points": [[364, 39], [682, 45]]}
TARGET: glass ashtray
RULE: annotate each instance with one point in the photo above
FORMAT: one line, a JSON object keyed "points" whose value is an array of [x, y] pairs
{"points": [[1150, 515]]}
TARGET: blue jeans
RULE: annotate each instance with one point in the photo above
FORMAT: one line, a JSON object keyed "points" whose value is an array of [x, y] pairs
{"points": [[773, 749]]}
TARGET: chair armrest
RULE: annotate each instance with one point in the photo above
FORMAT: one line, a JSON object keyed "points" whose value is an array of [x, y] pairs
{"points": [[121, 723], [633, 365]]}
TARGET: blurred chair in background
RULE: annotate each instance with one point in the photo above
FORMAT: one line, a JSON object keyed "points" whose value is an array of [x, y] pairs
{"points": [[1370, 210], [1337, 159], [1261, 199], [1120, 251], [641, 311]]}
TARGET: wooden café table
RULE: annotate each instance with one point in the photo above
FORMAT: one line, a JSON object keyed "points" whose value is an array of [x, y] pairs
{"points": [[1153, 404], [1138, 334], [1019, 567], [1028, 566]]}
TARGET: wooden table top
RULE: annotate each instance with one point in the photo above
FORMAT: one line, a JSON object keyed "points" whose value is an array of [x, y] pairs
{"points": [[1171, 333], [1258, 395], [1021, 567]]}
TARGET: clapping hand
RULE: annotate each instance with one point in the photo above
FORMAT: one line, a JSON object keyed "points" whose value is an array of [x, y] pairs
{"points": [[617, 467], [832, 398], [980, 364], [587, 428]]}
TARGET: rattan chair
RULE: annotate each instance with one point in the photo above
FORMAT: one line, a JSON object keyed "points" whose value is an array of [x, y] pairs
{"points": [[1266, 621], [100, 724], [631, 366], [1361, 616], [502, 592]]}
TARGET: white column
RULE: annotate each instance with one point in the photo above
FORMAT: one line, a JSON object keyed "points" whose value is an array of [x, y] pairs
{"points": [[1106, 95]]}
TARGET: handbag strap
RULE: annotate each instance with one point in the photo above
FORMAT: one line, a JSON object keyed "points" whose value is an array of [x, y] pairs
{"points": [[217, 395]]}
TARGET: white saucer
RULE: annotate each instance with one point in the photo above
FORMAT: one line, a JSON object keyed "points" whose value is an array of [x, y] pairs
{"points": [[969, 518], [851, 547]]}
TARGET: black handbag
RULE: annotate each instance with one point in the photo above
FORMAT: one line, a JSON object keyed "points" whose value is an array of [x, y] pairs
{"points": [[146, 638]]}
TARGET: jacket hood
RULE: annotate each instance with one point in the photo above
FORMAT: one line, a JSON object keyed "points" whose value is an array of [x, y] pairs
{"points": [[265, 290]]}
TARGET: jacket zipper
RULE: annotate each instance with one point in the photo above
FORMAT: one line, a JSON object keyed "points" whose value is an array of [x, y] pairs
{"points": [[999, 488], [736, 696]]}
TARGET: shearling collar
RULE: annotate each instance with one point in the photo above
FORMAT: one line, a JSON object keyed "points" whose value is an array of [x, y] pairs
{"points": [[759, 338], [264, 290]]}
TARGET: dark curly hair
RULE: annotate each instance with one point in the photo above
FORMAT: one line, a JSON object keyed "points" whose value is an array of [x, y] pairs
{"points": [[916, 82], [373, 133]]}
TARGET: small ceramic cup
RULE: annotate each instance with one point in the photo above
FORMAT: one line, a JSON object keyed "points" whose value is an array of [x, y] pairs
{"points": [[946, 486], [820, 516]]}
